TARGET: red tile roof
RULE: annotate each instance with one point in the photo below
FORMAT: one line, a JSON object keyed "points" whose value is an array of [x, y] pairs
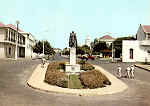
{"points": [[13, 27], [1, 24], [107, 37], [146, 28]]}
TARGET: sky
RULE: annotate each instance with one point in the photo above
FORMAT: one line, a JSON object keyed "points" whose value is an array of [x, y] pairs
{"points": [[53, 20]]}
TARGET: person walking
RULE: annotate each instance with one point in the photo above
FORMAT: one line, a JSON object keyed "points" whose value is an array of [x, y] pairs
{"points": [[43, 61], [132, 71], [128, 71], [119, 69]]}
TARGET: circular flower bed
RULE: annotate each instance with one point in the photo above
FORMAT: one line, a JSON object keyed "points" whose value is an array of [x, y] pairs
{"points": [[91, 78]]}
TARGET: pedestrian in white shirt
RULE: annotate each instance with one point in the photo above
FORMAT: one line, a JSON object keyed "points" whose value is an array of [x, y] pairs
{"points": [[132, 71], [119, 71], [128, 71]]}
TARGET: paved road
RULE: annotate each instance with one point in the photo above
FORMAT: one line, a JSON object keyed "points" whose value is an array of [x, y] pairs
{"points": [[15, 92]]}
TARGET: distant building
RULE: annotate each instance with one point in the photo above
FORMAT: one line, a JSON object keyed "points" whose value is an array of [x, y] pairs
{"points": [[87, 41], [107, 38], [57, 50], [8, 35], [79, 44], [138, 50]]}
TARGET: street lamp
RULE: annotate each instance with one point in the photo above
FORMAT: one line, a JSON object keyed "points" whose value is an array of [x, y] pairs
{"points": [[112, 51], [17, 22], [43, 40], [43, 48]]}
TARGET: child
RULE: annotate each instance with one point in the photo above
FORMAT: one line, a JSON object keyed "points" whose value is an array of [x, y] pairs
{"points": [[132, 71], [43, 62], [128, 71], [119, 71]]}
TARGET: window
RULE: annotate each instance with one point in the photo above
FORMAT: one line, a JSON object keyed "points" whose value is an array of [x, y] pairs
{"points": [[131, 53], [9, 51], [6, 31]]}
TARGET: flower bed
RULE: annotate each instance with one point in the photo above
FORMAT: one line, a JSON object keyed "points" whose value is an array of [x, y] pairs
{"points": [[91, 78], [54, 77]]}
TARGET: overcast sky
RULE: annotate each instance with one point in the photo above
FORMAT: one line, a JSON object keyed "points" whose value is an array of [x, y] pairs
{"points": [[53, 20]]}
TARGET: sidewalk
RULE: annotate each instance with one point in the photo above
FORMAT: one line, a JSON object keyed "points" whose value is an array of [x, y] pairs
{"points": [[37, 81], [143, 66]]}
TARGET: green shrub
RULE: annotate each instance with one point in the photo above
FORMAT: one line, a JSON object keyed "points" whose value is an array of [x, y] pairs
{"points": [[85, 66], [89, 79], [54, 77], [93, 79], [62, 82]]}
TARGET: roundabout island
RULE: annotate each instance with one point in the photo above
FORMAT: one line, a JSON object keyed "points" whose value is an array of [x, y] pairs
{"points": [[36, 81], [75, 77]]}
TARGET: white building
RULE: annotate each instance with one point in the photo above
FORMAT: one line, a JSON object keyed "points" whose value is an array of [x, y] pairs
{"points": [[29, 44], [8, 35], [138, 50], [107, 38], [87, 41], [57, 50]]}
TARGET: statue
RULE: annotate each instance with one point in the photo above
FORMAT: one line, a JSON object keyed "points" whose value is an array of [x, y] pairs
{"points": [[73, 40], [72, 67]]}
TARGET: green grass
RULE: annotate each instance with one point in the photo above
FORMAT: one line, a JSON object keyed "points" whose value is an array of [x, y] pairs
{"points": [[74, 82]]}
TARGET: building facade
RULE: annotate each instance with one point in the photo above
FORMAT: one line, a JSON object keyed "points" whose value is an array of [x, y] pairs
{"points": [[8, 38], [29, 44], [137, 50], [57, 50], [107, 38]]}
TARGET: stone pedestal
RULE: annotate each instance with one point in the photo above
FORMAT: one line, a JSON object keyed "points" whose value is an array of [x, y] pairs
{"points": [[72, 67], [72, 56]]}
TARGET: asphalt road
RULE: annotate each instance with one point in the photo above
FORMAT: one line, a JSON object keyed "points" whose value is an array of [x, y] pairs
{"points": [[15, 92]]}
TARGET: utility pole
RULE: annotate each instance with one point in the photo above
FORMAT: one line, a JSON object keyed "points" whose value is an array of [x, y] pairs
{"points": [[16, 51]]}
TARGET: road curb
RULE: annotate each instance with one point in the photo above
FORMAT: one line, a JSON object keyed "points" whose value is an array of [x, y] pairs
{"points": [[139, 66], [36, 81]]}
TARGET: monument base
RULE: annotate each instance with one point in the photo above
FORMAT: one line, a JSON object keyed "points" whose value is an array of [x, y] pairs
{"points": [[72, 69]]}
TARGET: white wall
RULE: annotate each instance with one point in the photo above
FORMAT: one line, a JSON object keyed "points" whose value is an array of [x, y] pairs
{"points": [[140, 53], [2, 54], [29, 43], [2, 33], [127, 45], [143, 54]]}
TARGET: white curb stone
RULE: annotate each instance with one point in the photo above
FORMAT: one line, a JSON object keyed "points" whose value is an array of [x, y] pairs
{"points": [[37, 81]]}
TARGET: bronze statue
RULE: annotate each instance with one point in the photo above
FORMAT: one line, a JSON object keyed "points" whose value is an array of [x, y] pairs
{"points": [[73, 40]]}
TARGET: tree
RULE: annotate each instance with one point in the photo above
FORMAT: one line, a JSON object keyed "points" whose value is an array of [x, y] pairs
{"points": [[66, 51], [118, 45], [83, 50], [96, 41], [38, 48], [99, 47], [86, 49], [48, 50], [80, 50]]}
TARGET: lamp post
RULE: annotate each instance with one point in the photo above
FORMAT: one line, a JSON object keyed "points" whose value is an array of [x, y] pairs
{"points": [[43, 48], [43, 40], [112, 51], [16, 54]]}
